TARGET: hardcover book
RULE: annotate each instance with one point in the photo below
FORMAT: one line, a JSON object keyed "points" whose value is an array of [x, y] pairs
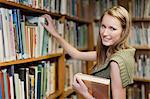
{"points": [[98, 87]]}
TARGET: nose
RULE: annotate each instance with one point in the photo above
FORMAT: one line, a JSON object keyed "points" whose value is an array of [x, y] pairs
{"points": [[105, 32]]}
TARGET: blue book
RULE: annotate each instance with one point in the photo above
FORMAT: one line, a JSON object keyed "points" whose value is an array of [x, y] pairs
{"points": [[5, 83], [19, 19], [39, 81], [0, 92], [45, 43], [14, 12], [18, 36]]}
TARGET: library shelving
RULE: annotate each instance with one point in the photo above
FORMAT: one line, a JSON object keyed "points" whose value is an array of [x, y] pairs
{"points": [[141, 30], [30, 8], [134, 19], [142, 79]]}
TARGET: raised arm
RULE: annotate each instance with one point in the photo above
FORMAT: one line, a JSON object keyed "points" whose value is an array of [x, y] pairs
{"points": [[73, 52]]}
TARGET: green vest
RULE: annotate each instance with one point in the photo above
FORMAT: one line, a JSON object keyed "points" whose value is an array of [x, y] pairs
{"points": [[126, 62]]}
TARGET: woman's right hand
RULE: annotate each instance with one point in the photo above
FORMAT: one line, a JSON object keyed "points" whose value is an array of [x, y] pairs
{"points": [[81, 88], [49, 26]]}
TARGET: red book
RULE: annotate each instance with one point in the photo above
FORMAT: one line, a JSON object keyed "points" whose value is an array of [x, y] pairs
{"points": [[8, 83], [2, 84], [98, 87]]}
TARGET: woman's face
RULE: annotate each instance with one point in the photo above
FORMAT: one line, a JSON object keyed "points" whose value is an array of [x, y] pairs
{"points": [[110, 30]]}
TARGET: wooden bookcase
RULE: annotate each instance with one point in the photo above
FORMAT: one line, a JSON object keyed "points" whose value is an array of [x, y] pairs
{"points": [[139, 14], [60, 57]]}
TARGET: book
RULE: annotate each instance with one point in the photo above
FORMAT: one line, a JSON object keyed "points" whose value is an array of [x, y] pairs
{"points": [[0, 92], [2, 85], [5, 83], [98, 87]]}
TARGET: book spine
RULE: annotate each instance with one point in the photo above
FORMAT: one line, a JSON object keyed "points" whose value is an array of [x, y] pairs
{"points": [[5, 83]]}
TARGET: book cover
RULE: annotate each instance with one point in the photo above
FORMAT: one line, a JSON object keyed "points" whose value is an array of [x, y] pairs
{"points": [[8, 85], [2, 85], [5, 83], [5, 33], [0, 92], [98, 87], [39, 74], [11, 82], [16, 35], [1, 39], [22, 77], [11, 37]]}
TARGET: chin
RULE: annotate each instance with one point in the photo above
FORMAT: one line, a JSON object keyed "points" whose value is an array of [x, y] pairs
{"points": [[107, 44]]}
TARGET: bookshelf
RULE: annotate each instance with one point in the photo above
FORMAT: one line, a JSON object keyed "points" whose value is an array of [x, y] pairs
{"points": [[142, 79], [54, 57], [141, 19], [3, 64], [134, 19]]}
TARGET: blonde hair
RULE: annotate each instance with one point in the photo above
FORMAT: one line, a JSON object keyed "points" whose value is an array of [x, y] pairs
{"points": [[123, 16]]}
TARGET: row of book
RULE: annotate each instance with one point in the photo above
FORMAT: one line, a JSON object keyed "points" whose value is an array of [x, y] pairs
{"points": [[142, 67], [33, 82], [70, 7], [77, 8], [21, 37], [99, 6], [96, 30], [72, 67], [140, 34], [138, 91], [24, 37], [41, 4], [141, 9], [76, 34]]}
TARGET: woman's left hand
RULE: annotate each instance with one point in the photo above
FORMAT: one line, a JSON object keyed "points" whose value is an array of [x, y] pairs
{"points": [[81, 88]]}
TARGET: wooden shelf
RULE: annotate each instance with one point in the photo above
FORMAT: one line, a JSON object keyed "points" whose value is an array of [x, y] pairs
{"points": [[2, 64], [27, 9], [32, 10], [142, 79], [96, 20], [54, 95], [76, 19], [83, 49], [68, 92], [141, 19], [141, 47]]}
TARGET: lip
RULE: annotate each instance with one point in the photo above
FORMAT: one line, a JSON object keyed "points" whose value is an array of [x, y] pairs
{"points": [[106, 39]]}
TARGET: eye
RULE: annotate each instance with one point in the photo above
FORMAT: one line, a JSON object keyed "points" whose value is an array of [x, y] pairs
{"points": [[112, 29], [103, 26]]}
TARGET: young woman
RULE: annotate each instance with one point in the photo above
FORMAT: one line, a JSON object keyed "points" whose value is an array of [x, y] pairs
{"points": [[115, 58]]}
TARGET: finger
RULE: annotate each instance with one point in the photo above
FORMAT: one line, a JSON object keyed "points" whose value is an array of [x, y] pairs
{"points": [[75, 79], [43, 25], [81, 83], [44, 16], [75, 83], [48, 17], [76, 76], [79, 73]]}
